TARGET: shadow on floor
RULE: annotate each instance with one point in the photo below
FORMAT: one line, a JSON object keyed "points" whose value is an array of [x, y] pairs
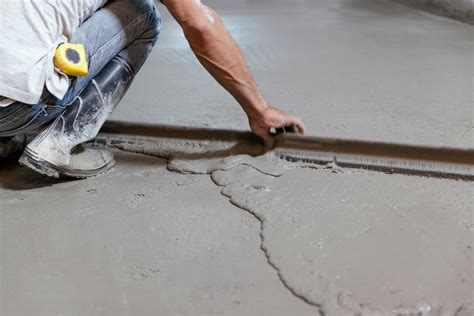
{"points": [[16, 177]]}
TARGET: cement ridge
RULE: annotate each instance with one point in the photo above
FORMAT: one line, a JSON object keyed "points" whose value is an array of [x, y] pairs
{"points": [[444, 162], [211, 157], [268, 257]]}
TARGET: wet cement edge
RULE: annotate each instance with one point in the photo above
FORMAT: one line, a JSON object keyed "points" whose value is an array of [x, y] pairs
{"points": [[202, 156], [269, 259]]}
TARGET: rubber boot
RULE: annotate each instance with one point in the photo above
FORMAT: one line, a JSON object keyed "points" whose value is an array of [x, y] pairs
{"points": [[58, 150]]}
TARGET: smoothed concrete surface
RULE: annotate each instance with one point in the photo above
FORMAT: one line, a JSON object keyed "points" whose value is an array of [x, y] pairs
{"points": [[139, 240], [349, 242], [350, 68], [462, 10]]}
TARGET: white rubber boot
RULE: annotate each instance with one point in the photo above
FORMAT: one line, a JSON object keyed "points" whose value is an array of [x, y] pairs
{"points": [[58, 150]]}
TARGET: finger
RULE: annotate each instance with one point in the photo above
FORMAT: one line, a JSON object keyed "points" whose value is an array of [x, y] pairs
{"points": [[264, 135], [268, 141], [301, 128], [297, 125], [281, 123]]}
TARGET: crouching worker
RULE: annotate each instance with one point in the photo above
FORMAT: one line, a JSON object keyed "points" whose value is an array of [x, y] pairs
{"points": [[106, 42]]}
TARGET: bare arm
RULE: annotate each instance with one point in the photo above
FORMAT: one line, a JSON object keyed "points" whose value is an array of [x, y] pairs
{"points": [[219, 54]]}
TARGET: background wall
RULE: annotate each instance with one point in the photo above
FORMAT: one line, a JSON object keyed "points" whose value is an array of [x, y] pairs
{"points": [[461, 10]]}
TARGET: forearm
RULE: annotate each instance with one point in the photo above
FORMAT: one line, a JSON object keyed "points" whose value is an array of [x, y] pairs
{"points": [[220, 55]]}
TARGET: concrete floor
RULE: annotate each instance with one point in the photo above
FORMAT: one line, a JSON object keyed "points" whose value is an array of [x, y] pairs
{"points": [[138, 241], [351, 68], [142, 240]]}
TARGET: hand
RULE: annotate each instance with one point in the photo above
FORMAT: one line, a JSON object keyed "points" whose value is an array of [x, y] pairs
{"points": [[272, 117]]}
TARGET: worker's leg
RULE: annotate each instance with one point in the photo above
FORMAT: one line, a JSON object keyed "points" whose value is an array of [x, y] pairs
{"points": [[15, 119], [124, 28], [118, 39], [8, 145], [127, 28]]}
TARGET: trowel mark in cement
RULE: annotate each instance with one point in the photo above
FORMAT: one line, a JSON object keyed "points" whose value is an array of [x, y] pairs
{"points": [[350, 244]]}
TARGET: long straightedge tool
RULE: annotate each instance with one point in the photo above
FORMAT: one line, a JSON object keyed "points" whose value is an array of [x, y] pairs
{"points": [[444, 162]]}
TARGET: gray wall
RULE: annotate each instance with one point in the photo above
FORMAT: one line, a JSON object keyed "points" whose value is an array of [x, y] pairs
{"points": [[461, 10]]}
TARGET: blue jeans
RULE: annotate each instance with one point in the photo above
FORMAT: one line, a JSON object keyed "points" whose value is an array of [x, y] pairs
{"points": [[127, 28]]}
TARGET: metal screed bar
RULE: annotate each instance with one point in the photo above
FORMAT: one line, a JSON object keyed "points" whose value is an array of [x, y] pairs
{"points": [[443, 162]]}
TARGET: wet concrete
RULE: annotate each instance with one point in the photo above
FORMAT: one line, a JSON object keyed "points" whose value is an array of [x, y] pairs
{"points": [[286, 239], [462, 10], [348, 242], [364, 243], [351, 68], [139, 240], [332, 241]]}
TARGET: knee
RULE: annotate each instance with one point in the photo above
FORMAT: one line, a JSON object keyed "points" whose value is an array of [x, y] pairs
{"points": [[147, 10], [154, 23]]}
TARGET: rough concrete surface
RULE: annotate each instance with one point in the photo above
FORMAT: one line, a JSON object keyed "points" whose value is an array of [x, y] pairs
{"points": [[139, 240], [281, 238], [361, 243], [364, 243], [142, 241]]}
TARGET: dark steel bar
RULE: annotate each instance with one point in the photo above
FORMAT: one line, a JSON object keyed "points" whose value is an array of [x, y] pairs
{"points": [[376, 149], [388, 157], [175, 132]]}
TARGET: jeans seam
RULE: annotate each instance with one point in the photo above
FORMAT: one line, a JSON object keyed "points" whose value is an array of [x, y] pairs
{"points": [[6, 117], [21, 128], [134, 22]]}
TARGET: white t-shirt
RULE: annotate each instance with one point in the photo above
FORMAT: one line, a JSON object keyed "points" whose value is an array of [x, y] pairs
{"points": [[30, 32], [5, 102]]}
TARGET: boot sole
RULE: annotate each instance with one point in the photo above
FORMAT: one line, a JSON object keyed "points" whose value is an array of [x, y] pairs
{"points": [[31, 160]]}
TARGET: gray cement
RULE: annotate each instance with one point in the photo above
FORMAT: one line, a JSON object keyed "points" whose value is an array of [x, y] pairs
{"points": [[139, 240], [351, 68], [349, 242], [462, 10], [358, 243], [142, 240]]}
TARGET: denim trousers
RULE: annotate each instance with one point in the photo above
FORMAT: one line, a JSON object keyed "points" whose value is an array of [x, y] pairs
{"points": [[125, 28]]}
